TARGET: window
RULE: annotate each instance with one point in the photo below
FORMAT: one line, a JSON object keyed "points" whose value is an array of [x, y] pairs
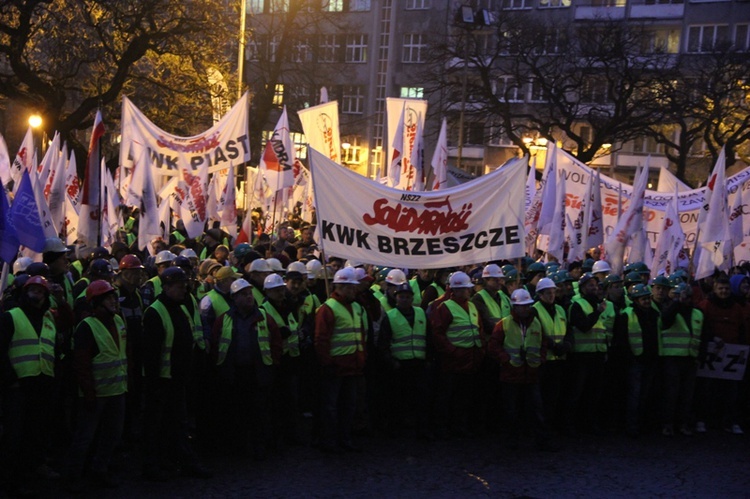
{"points": [[661, 2], [356, 48], [329, 49], [255, 6], [517, 4], [301, 50], [508, 89], [412, 48], [418, 4], [646, 145], [706, 38], [333, 5], [742, 37], [412, 93], [300, 96], [300, 144], [509, 42], [484, 43], [536, 91], [498, 137], [553, 41], [278, 95], [661, 41], [352, 99], [256, 48], [608, 3], [594, 91], [473, 134], [359, 5], [279, 5], [550, 4]]}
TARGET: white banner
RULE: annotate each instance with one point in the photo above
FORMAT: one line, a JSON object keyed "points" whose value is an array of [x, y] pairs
{"points": [[227, 141], [729, 362], [321, 127], [577, 176], [362, 220], [414, 111]]}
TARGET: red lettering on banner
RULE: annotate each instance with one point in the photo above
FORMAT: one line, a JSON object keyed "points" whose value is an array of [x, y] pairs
{"points": [[199, 144], [573, 201], [402, 218]]}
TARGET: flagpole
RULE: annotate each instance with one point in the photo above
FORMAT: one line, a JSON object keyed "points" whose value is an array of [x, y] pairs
{"points": [[315, 196]]}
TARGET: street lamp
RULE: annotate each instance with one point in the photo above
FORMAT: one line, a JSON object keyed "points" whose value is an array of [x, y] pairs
{"points": [[35, 121]]}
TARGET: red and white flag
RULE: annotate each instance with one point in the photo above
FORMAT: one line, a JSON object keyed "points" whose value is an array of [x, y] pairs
{"points": [[192, 192], [397, 157], [414, 169], [90, 210], [736, 224], [630, 223], [4, 163], [229, 202], [714, 237], [670, 240], [24, 159], [440, 159], [594, 233], [72, 184], [277, 162], [55, 189]]}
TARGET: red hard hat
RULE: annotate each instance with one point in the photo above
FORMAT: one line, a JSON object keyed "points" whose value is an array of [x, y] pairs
{"points": [[98, 288], [38, 280], [130, 262]]}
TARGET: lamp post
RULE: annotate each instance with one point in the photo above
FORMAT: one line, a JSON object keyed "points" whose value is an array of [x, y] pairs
{"points": [[35, 122]]}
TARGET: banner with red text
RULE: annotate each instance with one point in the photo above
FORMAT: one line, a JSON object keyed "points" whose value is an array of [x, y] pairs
{"points": [[414, 112], [475, 222]]}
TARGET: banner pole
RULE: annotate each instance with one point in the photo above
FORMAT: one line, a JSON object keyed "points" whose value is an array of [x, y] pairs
{"points": [[317, 226]]}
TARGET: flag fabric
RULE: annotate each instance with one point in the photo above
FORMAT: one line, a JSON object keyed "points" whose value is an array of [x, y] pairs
{"points": [[530, 185], [191, 189], [9, 242], [72, 184], [229, 201], [670, 240], [439, 161], [111, 217], [549, 192], [69, 226], [557, 227], [48, 226], [277, 162], [737, 228], [321, 126], [55, 190], [24, 216], [4, 163], [631, 222], [415, 168], [24, 159], [212, 205], [397, 157], [593, 220], [148, 223], [49, 161], [90, 209], [713, 222]]}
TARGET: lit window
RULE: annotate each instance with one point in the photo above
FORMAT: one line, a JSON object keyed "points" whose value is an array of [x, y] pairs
{"points": [[300, 144], [551, 4], [706, 38], [660, 41], [352, 100], [255, 6], [279, 6], [278, 95], [333, 5], [418, 4], [356, 48], [412, 48], [412, 92]]}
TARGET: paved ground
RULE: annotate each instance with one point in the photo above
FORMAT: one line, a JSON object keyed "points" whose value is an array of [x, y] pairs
{"points": [[712, 465]]}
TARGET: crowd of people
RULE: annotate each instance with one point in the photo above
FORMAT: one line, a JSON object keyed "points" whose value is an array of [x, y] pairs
{"points": [[201, 346]]}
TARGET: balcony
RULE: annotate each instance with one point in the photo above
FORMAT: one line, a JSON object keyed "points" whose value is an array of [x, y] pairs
{"points": [[601, 11], [660, 11]]}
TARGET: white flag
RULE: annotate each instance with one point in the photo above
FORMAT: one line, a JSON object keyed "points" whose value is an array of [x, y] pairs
{"points": [[191, 190], [631, 222], [440, 159], [397, 157], [415, 173], [55, 190], [4, 163], [72, 183], [23, 160], [277, 162], [713, 221], [557, 228], [736, 226], [50, 157], [44, 214], [212, 205], [593, 220], [670, 240], [530, 185], [70, 225], [229, 212], [549, 190]]}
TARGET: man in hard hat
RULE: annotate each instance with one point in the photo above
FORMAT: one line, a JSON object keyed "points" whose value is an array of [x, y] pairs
{"points": [[519, 344], [460, 348], [554, 323], [340, 345], [167, 365], [601, 270], [402, 343], [248, 351], [393, 280], [217, 301], [256, 273], [27, 368], [152, 288], [436, 289], [534, 272], [55, 255], [421, 281], [99, 269], [492, 304], [100, 364]]}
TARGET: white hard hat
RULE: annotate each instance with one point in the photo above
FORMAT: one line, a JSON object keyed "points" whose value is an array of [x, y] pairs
{"points": [[360, 273], [521, 297], [600, 266], [545, 283], [313, 268], [189, 253], [460, 280], [396, 276], [345, 276], [297, 267], [54, 245], [275, 264], [259, 265], [492, 270], [164, 257], [238, 285], [353, 263], [273, 281], [21, 264]]}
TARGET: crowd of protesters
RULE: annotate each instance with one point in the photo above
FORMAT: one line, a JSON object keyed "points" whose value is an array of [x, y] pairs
{"points": [[203, 346]]}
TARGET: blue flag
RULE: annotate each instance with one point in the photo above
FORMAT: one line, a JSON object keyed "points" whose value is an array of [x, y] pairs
{"points": [[8, 240], [24, 216]]}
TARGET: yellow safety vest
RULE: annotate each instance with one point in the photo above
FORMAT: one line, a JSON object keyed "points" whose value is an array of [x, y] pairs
{"points": [[291, 344], [264, 341], [497, 310], [681, 340], [309, 306], [415, 287], [463, 332], [218, 302], [156, 281], [110, 366], [384, 303], [166, 320], [553, 328], [515, 343], [29, 354], [635, 335], [349, 333], [408, 342], [597, 339]]}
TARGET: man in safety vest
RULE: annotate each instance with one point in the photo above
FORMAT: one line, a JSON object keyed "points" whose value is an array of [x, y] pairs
{"points": [[518, 342], [217, 301], [27, 370], [340, 339], [167, 366], [100, 363], [153, 287], [402, 342], [460, 348], [554, 323], [591, 320], [680, 338], [636, 334], [248, 347], [492, 304]]}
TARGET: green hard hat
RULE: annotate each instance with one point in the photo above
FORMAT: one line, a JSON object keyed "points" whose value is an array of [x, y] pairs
{"points": [[639, 290], [633, 278], [612, 279], [588, 264], [661, 280]]}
